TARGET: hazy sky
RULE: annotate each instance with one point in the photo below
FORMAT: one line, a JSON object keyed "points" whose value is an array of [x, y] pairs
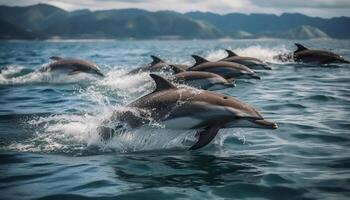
{"points": [[322, 8]]}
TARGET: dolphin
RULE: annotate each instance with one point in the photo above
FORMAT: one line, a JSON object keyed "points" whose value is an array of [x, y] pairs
{"points": [[156, 65], [223, 68], [201, 80], [183, 108], [72, 65], [305, 55], [252, 63]]}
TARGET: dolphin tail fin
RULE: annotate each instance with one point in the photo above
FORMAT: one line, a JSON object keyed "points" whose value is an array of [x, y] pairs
{"points": [[156, 59], [230, 53], [199, 60], [162, 83], [205, 137], [300, 48], [176, 69]]}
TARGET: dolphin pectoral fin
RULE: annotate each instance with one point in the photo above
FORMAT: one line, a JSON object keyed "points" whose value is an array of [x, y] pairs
{"points": [[205, 137]]}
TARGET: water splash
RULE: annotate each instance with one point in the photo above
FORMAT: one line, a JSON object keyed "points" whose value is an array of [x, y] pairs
{"points": [[256, 51], [50, 77]]}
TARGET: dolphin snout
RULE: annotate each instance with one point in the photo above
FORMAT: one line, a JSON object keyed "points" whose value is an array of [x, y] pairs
{"points": [[99, 73], [265, 66], [345, 61], [256, 76], [232, 84], [266, 124]]}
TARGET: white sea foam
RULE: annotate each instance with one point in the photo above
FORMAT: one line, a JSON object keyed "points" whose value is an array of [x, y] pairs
{"points": [[78, 132], [39, 77], [256, 51]]}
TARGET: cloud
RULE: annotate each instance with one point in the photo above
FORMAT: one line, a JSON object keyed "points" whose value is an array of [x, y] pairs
{"points": [[322, 8]]}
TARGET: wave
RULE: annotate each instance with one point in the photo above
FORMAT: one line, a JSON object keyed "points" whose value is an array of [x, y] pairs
{"points": [[257, 51], [16, 75], [74, 133], [78, 133]]}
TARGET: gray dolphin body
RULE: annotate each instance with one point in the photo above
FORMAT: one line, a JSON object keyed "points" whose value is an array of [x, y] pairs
{"points": [[72, 66], [305, 55], [201, 80], [156, 65], [252, 63], [223, 68], [181, 108]]}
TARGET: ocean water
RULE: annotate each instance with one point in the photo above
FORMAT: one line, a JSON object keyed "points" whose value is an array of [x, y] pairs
{"points": [[49, 148]]}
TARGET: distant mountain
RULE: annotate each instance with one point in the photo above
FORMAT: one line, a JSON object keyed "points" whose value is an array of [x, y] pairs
{"points": [[32, 18], [51, 21], [44, 21], [10, 31], [130, 23], [303, 32], [259, 24]]}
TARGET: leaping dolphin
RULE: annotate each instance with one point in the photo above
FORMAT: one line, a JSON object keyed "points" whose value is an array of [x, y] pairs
{"points": [[252, 63], [305, 55], [181, 108], [156, 65], [71, 65], [223, 68], [201, 80]]}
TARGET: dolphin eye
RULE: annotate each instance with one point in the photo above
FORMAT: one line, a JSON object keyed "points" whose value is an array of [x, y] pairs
{"points": [[225, 97]]}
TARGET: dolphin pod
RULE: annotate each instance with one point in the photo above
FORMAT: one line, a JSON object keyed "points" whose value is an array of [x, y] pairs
{"points": [[72, 66], [181, 108], [186, 108]]}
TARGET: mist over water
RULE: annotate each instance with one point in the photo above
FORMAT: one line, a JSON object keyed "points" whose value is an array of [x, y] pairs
{"points": [[49, 146]]}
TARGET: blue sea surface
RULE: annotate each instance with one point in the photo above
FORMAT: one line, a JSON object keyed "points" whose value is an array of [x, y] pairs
{"points": [[50, 149]]}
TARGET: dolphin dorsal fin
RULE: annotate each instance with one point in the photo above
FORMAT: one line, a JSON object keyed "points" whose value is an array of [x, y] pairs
{"points": [[230, 53], [162, 83], [176, 69], [156, 60], [199, 60], [300, 47], [55, 58]]}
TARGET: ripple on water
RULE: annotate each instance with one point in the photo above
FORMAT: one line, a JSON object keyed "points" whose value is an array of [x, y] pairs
{"points": [[50, 148]]}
